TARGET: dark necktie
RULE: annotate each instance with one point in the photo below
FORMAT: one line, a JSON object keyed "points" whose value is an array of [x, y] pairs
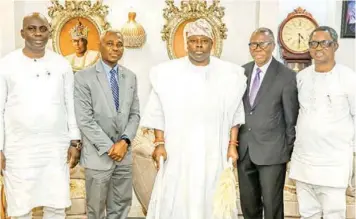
{"points": [[114, 88]]}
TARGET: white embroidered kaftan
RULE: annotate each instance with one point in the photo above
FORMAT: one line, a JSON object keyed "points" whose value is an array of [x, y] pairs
{"points": [[195, 107], [326, 127], [37, 122]]}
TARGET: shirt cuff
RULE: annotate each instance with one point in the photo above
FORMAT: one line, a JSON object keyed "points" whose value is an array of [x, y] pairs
{"points": [[74, 134]]}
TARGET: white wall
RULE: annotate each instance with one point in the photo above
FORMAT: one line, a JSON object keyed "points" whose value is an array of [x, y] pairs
{"points": [[7, 27]]}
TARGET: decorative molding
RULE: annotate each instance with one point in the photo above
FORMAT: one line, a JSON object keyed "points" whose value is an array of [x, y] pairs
{"points": [[82, 9]]}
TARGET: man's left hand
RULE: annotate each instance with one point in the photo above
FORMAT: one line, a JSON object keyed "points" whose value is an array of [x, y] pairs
{"points": [[73, 156], [232, 152], [118, 150]]}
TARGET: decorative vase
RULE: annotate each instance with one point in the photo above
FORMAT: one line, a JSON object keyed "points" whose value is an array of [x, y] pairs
{"points": [[133, 32]]}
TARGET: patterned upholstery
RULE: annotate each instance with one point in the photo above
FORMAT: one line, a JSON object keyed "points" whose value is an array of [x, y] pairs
{"points": [[144, 171]]}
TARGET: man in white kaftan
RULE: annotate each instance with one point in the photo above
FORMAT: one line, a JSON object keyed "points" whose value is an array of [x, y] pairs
{"points": [[196, 106], [37, 124], [322, 158]]}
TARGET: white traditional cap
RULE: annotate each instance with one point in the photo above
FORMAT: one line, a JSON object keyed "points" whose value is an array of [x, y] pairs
{"points": [[199, 27]]}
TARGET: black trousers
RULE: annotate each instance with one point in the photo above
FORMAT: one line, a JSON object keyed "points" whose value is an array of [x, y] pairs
{"points": [[261, 189]]}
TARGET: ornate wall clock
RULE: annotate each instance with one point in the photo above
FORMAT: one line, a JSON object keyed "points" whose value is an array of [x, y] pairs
{"points": [[293, 37]]}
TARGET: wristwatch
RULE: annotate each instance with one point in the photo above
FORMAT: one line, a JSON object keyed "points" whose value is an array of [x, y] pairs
{"points": [[126, 139], [77, 145]]}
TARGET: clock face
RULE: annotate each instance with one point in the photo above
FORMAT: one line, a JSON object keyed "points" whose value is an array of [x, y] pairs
{"points": [[295, 34]]}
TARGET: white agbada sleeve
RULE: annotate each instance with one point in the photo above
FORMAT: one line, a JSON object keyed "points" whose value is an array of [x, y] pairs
{"points": [[73, 129], [154, 116], [3, 97], [239, 116]]}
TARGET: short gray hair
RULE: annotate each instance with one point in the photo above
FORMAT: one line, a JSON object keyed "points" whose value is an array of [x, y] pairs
{"points": [[266, 31], [111, 31], [327, 29]]}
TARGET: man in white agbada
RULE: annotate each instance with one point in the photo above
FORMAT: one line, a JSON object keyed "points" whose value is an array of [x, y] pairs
{"points": [[38, 130], [321, 161], [195, 109]]}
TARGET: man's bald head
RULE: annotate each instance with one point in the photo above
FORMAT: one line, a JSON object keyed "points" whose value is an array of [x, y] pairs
{"points": [[35, 15], [35, 32]]}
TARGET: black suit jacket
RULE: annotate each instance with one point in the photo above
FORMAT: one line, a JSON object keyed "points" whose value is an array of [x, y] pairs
{"points": [[269, 129]]}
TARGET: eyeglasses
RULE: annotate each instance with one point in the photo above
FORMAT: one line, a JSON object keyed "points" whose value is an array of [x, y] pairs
{"points": [[323, 44], [262, 45]]}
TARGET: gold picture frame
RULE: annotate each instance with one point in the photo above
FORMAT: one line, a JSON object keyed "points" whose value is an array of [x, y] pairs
{"points": [[191, 10], [71, 23]]}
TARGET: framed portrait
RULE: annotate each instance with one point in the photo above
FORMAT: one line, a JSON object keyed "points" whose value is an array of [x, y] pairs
{"points": [[76, 30], [348, 19], [189, 11]]}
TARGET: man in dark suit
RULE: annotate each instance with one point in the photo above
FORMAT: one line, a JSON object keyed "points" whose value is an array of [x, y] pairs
{"points": [[267, 137]]}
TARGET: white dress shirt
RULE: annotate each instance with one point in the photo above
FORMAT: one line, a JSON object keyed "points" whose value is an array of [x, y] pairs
{"points": [[262, 74]]}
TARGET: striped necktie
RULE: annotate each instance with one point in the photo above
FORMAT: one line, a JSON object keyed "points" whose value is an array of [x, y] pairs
{"points": [[114, 87]]}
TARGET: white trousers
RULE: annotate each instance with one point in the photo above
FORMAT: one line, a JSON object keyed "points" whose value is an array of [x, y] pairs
{"points": [[321, 201], [48, 213]]}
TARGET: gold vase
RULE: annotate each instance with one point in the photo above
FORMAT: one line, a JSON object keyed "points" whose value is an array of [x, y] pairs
{"points": [[133, 32]]}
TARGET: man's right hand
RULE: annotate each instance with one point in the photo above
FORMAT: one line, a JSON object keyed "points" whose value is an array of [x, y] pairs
{"points": [[157, 153], [2, 162]]}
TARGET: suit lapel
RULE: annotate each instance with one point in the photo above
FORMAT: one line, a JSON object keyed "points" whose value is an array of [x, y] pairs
{"points": [[249, 70], [122, 86], [103, 80], [267, 81]]}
